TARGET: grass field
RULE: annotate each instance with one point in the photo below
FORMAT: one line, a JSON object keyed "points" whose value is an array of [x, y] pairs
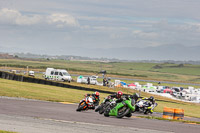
{"points": [[41, 92], [173, 120], [153, 71], [59, 94], [2, 131]]}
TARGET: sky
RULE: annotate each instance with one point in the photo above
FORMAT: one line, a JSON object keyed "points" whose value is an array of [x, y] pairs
{"points": [[74, 27]]}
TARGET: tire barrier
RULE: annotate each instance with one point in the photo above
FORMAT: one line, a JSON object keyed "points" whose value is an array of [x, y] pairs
{"points": [[12, 76], [171, 113], [178, 114], [168, 113]]}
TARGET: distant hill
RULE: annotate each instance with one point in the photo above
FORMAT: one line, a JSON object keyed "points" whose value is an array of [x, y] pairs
{"points": [[164, 53]]}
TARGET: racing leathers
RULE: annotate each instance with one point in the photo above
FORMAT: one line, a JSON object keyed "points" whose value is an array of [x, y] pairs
{"points": [[96, 99]]}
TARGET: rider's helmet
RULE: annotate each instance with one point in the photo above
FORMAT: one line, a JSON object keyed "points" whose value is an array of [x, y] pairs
{"points": [[96, 93], [152, 99], [136, 96], [119, 94]]}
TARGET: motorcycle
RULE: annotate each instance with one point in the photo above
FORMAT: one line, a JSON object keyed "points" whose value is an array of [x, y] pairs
{"points": [[106, 102], [124, 108], [86, 103], [145, 106]]}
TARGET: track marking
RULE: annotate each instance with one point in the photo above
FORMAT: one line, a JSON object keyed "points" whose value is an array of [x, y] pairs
{"points": [[76, 122], [66, 103], [193, 123]]}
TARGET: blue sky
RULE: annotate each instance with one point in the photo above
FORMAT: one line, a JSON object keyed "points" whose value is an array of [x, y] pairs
{"points": [[56, 26]]}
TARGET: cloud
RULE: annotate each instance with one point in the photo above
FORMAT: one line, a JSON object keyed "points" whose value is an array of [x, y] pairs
{"points": [[144, 35], [10, 16], [15, 17], [62, 20]]}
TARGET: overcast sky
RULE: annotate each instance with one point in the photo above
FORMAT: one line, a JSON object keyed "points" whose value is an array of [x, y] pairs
{"points": [[56, 26]]}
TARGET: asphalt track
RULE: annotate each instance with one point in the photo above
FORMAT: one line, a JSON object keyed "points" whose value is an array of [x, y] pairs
{"points": [[32, 116]]}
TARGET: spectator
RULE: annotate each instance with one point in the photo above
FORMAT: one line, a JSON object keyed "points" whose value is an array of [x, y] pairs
{"points": [[88, 80], [104, 82]]}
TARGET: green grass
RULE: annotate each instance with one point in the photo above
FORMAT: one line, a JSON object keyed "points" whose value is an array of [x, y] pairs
{"points": [[160, 118], [59, 94], [41, 92], [1, 131]]}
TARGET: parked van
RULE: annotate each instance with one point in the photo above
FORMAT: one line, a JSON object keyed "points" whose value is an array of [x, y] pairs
{"points": [[14, 71], [57, 74], [31, 73]]}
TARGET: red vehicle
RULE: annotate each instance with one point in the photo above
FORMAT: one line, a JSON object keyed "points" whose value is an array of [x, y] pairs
{"points": [[167, 91]]}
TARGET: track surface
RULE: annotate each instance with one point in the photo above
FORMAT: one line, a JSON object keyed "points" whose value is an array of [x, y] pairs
{"points": [[16, 112]]}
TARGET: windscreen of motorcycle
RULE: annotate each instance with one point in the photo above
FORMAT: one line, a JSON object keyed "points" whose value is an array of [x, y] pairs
{"points": [[90, 100]]}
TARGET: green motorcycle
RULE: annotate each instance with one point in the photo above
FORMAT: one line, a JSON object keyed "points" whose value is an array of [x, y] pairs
{"points": [[121, 109]]}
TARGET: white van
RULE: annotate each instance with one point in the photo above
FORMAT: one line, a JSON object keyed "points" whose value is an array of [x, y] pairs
{"points": [[31, 73], [57, 74]]}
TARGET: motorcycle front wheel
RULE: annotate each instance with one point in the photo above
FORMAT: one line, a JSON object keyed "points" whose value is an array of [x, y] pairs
{"points": [[123, 112], [82, 106], [128, 115], [107, 111], [103, 108], [98, 108], [147, 112]]}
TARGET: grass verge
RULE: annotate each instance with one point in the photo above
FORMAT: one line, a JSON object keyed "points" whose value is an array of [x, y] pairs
{"points": [[160, 118], [41, 92], [1, 131]]}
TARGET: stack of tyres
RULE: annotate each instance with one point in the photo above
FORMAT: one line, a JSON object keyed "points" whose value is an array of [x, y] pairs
{"points": [[178, 114], [168, 113]]}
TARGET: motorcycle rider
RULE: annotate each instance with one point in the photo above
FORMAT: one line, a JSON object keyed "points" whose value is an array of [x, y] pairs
{"points": [[111, 98], [96, 97], [117, 96], [120, 96], [150, 101], [136, 96], [109, 111]]}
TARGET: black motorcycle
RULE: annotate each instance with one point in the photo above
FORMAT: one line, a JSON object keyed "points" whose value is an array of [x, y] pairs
{"points": [[106, 103]]}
